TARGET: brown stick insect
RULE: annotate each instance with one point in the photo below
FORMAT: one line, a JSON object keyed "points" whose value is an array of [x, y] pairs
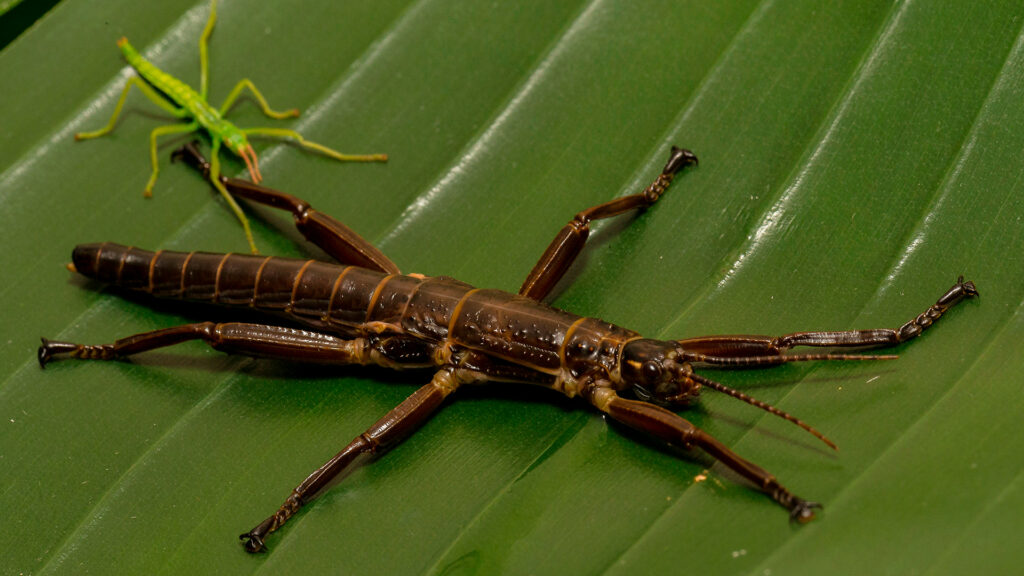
{"points": [[366, 311]]}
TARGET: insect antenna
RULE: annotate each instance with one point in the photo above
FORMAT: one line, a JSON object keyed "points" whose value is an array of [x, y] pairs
{"points": [[763, 406], [251, 162], [255, 163]]}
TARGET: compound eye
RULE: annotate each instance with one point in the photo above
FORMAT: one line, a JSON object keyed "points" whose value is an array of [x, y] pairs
{"points": [[652, 371]]}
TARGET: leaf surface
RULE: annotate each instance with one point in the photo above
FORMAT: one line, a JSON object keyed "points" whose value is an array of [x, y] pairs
{"points": [[855, 158]]}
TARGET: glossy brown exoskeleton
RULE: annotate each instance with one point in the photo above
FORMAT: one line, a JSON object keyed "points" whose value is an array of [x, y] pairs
{"points": [[367, 312]]}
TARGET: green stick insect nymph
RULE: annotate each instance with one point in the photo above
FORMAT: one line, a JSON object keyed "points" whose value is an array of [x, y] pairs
{"points": [[181, 101]]}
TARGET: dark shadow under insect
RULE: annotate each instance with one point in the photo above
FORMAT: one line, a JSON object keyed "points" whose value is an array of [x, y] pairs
{"points": [[367, 313]]}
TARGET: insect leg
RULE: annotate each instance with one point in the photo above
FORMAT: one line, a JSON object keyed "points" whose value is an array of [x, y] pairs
{"points": [[722, 349], [156, 133], [232, 337], [566, 246], [150, 93], [246, 83], [203, 40], [672, 428], [338, 240], [215, 178], [385, 433], [293, 135]]}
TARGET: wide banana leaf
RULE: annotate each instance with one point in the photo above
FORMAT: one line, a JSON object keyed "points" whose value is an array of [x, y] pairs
{"points": [[855, 158]]}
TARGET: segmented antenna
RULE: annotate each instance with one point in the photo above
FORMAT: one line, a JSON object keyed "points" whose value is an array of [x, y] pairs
{"points": [[763, 406]]}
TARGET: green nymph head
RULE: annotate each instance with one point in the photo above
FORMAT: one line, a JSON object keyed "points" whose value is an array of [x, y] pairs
{"points": [[236, 141]]}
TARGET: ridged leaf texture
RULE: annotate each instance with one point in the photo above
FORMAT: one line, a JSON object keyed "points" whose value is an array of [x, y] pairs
{"points": [[855, 158]]}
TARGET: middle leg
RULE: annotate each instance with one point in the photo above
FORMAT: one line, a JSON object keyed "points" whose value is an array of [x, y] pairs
{"points": [[260, 100], [153, 136], [566, 246], [397, 424]]}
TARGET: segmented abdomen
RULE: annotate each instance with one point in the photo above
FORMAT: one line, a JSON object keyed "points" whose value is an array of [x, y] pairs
{"points": [[182, 94], [346, 299], [316, 293]]}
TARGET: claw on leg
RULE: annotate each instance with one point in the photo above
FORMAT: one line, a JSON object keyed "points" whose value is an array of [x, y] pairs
{"points": [[253, 544], [49, 348], [253, 539], [803, 511]]}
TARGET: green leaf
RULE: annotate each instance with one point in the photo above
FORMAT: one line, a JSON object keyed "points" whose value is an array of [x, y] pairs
{"points": [[855, 159]]}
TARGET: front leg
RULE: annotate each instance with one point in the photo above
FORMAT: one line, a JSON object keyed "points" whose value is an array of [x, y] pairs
{"points": [[746, 350]]}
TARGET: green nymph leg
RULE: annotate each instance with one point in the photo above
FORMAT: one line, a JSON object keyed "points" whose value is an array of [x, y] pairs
{"points": [[293, 135], [203, 61], [242, 85], [215, 179], [150, 93], [156, 133], [246, 83]]}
